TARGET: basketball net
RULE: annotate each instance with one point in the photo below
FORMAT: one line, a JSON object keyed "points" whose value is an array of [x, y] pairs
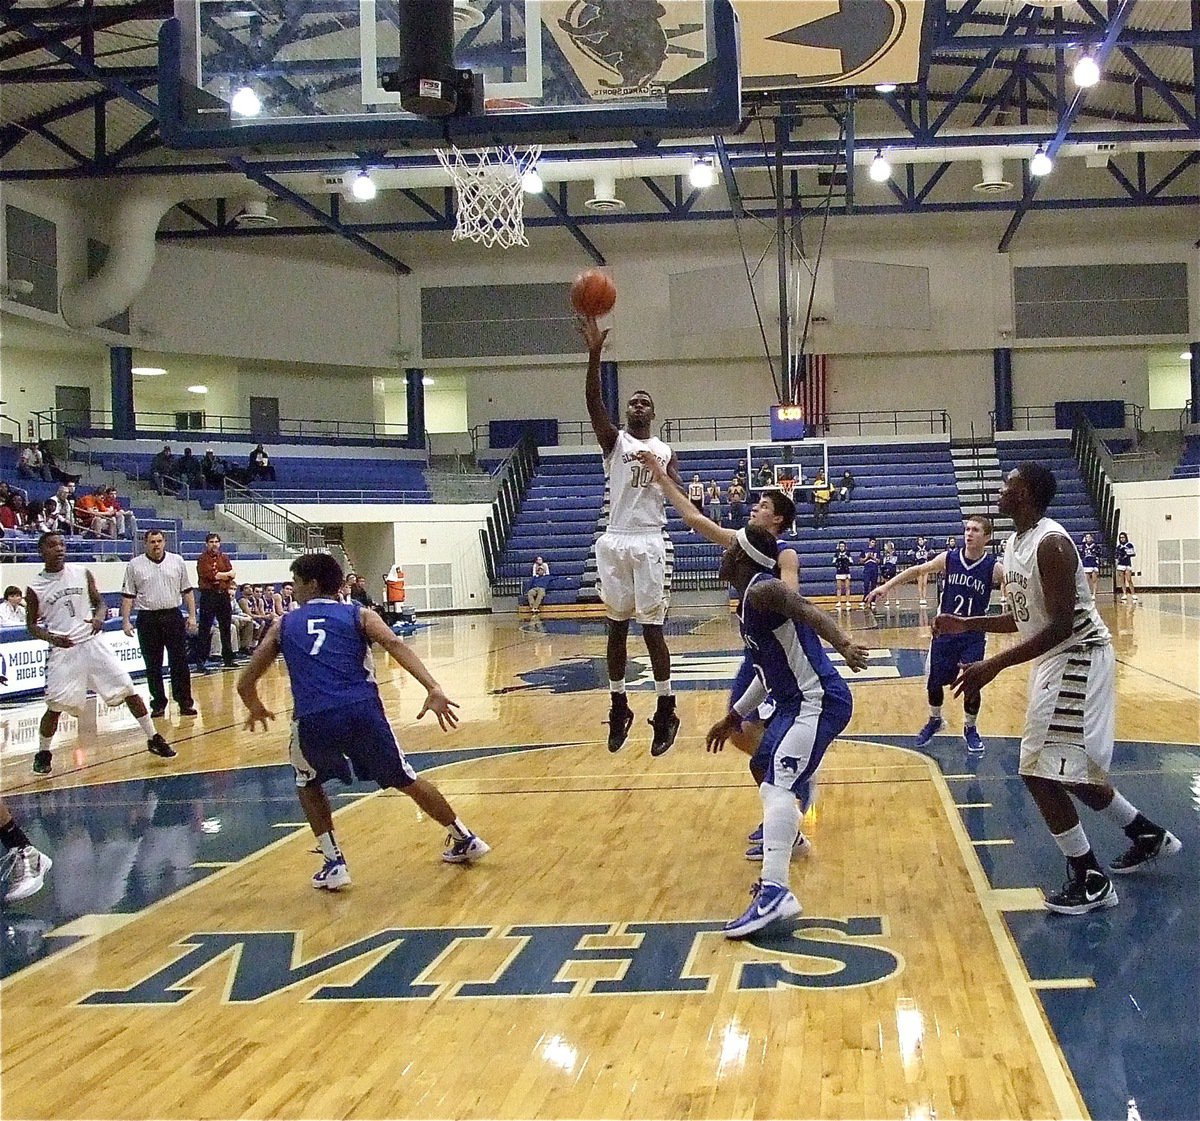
{"points": [[786, 485], [489, 194]]}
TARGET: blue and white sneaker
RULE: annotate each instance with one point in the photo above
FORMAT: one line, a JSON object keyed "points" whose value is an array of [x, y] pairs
{"points": [[465, 851], [755, 838], [974, 741], [771, 902], [934, 725], [801, 847], [333, 875]]}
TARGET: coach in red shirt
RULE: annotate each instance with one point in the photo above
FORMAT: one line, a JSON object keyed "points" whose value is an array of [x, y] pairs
{"points": [[214, 578]]}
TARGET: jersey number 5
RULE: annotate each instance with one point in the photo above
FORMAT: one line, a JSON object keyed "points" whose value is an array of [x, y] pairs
{"points": [[318, 632]]}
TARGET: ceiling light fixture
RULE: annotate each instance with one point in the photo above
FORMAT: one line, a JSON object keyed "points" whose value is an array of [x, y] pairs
{"points": [[886, 87], [427, 380], [880, 170], [1041, 164], [363, 188], [1087, 72], [703, 173], [1186, 356], [245, 102], [531, 182], [197, 388], [149, 371]]}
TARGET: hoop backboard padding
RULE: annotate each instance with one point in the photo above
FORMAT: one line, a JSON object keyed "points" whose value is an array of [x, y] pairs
{"points": [[488, 193], [580, 70]]}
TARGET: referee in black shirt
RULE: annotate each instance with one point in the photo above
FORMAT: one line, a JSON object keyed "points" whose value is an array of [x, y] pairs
{"points": [[156, 585]]}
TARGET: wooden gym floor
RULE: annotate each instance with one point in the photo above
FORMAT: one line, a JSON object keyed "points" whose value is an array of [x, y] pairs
{"points": [[178, 964]]}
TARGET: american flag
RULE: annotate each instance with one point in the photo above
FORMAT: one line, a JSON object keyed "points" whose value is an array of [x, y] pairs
{"points": [[810, 387]]}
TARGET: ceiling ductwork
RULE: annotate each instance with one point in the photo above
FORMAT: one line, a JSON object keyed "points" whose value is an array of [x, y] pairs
{"points": [[254, 215], [604, 195], [992, 181]]}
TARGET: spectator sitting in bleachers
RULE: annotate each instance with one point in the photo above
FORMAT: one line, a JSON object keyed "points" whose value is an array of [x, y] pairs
{"points": [[42, 517], [7, 491], [214, 470], [14, 514], [12, 610], [88, 517], [245, 629], [56, 473], [32, 464], [260, 465], [846, 486], [124, 523], [539, 578], [190, 470], [255, 604], [162, 470], [766, 476]]}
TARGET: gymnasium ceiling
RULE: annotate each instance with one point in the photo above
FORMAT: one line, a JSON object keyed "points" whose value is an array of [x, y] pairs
{"points": [[77, 117]]}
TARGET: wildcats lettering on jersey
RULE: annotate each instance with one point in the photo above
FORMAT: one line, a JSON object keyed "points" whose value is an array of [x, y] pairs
{"points": [[968, 587]]}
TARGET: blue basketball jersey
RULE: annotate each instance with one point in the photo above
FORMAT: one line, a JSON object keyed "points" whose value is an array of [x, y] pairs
{"points": [[967, 589], [328, 657], [788, 656]]}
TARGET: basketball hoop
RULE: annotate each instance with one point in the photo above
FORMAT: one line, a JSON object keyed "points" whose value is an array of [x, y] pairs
{"points": [[786, 484], [488, 191]]}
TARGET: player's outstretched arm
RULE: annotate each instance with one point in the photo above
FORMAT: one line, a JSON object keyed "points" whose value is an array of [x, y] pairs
{"points": [[247, 683], [938, 564], [602, 425], [961, 624], [772, 595], [436, 701], [692, 517]]}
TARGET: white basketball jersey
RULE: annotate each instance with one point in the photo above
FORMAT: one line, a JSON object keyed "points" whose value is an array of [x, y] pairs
{"points": [[63, 603], [635, 499], [1027, 600]]}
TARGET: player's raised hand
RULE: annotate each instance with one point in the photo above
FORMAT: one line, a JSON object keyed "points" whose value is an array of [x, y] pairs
{"points": [[652, 464], [592, 333], [721, 731], [873, 595], [258, 714], [949, 624], [442, 707]]}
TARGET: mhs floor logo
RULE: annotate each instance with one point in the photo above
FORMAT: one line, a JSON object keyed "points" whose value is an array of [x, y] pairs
{"points": [[709, 669], [646, 957]]}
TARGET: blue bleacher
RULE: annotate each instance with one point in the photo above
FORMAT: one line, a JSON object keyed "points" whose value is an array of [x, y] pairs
{"points": [[1071, 507], [903, 490]]}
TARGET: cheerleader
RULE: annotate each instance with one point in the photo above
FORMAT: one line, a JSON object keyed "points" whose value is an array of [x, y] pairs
{"points": [[841, 575], [1089, 555], [870, 568], [888, 564], [1125, 554]]}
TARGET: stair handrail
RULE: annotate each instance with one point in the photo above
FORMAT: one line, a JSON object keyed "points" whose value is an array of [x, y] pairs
{"points": [[1092, 457], [272, 521], [515, 475]]}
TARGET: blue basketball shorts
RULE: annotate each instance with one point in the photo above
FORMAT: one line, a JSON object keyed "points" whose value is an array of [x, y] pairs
{"points": [[948, 651], [329, 744]]}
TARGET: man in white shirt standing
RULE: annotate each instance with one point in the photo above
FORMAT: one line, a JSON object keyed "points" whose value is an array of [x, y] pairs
{"points": [[631, 555], [64, 607], [157, 584], [1070, 723]]}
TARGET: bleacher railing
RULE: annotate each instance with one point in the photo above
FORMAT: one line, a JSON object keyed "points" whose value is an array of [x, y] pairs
{"points": [[515, 475], [271, 521], [1090, 453], [871, 422], [49, 421], [1043, 418]]}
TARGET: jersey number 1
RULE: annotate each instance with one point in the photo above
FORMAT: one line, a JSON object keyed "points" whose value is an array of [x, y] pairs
{"points": [[318, 632]]}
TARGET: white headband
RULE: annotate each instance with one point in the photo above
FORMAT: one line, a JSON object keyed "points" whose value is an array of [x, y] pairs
{"points": [[755, 554]]}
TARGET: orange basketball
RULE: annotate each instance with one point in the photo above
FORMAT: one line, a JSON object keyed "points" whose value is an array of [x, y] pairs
{"points": [[593, 293]]}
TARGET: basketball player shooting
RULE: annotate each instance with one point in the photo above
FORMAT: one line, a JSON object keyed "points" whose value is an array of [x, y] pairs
{"points": [[631, 555]]}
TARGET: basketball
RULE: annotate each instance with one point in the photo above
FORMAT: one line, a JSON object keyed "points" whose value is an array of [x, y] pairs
{"points": [[593, 293]]}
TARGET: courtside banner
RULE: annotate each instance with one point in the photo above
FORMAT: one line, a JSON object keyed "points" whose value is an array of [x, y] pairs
{"points": [[23, 663]]}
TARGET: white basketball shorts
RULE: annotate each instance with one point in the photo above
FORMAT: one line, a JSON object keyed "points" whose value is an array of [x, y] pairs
{"points": [[633, 576], [91, 665], [1071, 720]]}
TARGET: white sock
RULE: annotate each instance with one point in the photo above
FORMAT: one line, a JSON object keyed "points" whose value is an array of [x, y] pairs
{"points": [[935, 712], [663, 688], [969, 719], [1120, 809], [147, 725], [44, 742], [329, 847], [460, 831], [781, 823], [1073, 843], [617, 686]]}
